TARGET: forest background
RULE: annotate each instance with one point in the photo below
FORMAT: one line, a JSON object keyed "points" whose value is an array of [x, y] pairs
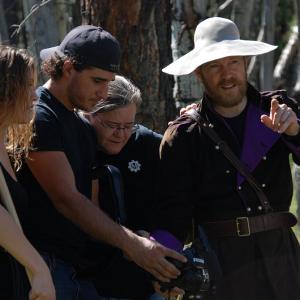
{"points": [[153, 33]]}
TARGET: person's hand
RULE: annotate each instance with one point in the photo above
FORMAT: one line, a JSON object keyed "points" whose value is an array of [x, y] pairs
{"points": [[184, 110], [174, 292], [151, 256], [187, 108], [42, 287], [282, 119]]}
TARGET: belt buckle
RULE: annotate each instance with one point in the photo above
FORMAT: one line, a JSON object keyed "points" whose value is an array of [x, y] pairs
{"points": [[240, 221]]}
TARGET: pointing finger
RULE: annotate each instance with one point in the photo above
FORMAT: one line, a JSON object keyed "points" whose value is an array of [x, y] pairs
{"points": [[274, 107], [267, 121], [278, 116]]}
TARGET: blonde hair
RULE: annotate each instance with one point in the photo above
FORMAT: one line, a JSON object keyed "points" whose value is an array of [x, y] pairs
{"points": [[16, 69]]}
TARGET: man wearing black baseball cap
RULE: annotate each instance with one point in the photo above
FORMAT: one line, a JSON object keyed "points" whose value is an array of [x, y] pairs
{"points": [[91, 45], [58, 174]]}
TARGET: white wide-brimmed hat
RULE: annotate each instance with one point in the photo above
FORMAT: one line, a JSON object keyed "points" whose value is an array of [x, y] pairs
{"points": [[216, 38]]}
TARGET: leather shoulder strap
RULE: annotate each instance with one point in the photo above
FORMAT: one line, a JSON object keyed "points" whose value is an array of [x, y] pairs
{"points": [[116, 186], [220, 144]]}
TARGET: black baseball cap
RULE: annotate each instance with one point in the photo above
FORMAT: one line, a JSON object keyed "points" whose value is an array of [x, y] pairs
{"points": [[90, 45]]}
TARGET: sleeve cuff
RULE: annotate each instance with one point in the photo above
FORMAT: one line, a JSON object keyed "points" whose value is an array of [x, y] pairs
{"points": [[167, 239]]}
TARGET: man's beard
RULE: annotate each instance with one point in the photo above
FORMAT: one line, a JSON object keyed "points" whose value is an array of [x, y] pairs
{"points": [[227, 99]]}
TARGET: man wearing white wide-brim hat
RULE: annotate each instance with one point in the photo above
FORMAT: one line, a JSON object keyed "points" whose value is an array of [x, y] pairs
{"points": [[245, 216]]}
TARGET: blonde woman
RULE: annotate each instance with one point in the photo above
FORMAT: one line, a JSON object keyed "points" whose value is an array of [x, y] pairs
{"points": [[17, 94]]}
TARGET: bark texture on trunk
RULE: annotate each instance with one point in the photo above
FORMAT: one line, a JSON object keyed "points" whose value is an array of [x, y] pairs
{"points": [[144, 32]]}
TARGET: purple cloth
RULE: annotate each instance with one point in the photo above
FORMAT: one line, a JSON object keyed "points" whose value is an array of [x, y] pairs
{"points": [[258, 140], [167, 239]]}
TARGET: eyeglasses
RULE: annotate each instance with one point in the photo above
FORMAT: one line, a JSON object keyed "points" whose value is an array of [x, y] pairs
{"points": [[128, 128]]}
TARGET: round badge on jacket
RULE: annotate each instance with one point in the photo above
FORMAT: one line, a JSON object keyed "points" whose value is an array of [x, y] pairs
{"points": [[134, 166]]}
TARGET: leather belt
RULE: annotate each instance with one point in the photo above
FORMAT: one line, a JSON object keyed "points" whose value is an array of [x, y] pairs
{"points": [[245, 226]]}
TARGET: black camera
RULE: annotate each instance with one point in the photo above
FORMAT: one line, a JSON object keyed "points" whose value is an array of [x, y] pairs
{"points": [[196, 277]]}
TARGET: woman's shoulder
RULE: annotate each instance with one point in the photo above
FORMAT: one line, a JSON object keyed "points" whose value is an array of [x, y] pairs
{"points": [[143, 132]]}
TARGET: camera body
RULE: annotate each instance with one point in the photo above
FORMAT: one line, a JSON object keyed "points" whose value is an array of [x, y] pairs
{"points": [[195, 278]]}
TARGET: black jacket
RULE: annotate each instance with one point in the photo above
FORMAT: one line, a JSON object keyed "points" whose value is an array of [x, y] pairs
{"points": [[196, 182], [138, 162]]}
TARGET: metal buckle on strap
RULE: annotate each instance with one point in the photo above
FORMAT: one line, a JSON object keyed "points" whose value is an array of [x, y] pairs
{"points": [[242, 226]]}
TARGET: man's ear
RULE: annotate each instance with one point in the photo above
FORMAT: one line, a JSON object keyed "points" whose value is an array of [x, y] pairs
{"points": [[67, 67]]}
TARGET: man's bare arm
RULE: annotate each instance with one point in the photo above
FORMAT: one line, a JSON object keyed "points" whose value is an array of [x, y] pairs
{"points": [[54, 173]]}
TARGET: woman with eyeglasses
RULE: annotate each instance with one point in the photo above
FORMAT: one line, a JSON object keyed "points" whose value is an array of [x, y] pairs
{"points": [[134, 150], [17, 94]]}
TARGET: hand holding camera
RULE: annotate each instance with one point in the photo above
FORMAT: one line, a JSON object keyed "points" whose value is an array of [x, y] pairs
{"points": [[200, 274], [195, 278]]}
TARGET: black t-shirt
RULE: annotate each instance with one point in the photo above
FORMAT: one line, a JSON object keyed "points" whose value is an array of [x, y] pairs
{"points": [[137, 163], [59, 129], [237, 125]]}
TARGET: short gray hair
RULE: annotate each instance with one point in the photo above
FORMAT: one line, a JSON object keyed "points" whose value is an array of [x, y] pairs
{"points": [[121, 92]]}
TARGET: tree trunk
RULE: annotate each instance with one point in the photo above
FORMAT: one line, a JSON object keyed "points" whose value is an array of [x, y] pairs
{"points": [[284, 62], [186, 16], [242, 16], [47, 25], [10, 14], [3, 25], [143, 30], [267, 60], [296, 90]]}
